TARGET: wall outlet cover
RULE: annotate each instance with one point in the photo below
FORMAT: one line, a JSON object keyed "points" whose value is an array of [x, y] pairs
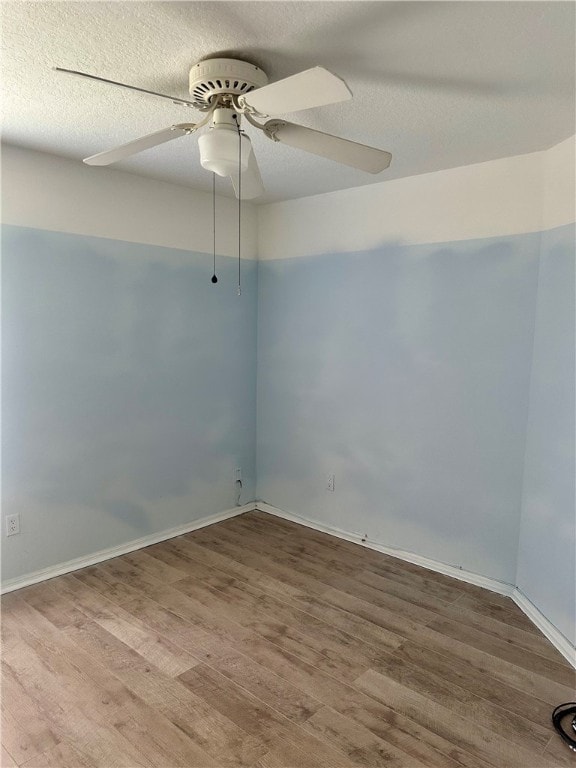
{"points": [[12, 525]]}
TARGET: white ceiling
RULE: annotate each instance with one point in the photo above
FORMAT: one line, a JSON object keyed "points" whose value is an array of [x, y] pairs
{"points": [[438, 84]]}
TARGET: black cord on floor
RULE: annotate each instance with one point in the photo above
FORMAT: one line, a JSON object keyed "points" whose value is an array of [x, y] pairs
{"points": [[562, 712]]}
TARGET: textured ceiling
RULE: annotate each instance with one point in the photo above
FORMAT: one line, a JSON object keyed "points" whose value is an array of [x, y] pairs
{"points": [[438, 84]]}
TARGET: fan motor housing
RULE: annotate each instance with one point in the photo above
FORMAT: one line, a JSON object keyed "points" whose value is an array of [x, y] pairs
{"points": [[215, 76]]}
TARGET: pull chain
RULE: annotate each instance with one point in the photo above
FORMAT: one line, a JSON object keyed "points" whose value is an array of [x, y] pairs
{"points": [[214, 278], [239, 197]]}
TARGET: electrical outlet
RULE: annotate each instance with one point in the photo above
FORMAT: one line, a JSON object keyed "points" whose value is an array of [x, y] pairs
{"points": [[238, 474], [12, 525], [330, 483]]}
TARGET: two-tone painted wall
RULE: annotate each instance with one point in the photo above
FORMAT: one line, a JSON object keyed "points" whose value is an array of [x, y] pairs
{"points": [[546, 564], [129, 387], [416, 340]]}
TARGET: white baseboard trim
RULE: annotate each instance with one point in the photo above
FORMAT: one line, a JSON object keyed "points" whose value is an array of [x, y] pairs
{"points": [[501, 587], [106, 554], [558, 640]]}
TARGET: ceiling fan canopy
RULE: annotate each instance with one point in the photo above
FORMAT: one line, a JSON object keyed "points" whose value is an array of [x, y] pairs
{"points": [[214, 77], [227, 90]]}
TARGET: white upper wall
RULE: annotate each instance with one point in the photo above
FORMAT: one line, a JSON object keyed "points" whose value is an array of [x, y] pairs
{"points": [[49, 192], [526, 193], [559, 184]]}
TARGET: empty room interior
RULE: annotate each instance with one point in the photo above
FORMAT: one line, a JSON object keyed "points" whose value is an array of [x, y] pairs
{"points": [[288, 384]]}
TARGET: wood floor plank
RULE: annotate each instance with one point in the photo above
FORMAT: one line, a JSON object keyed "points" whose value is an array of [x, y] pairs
{"points": [[293, 702], [423, 609], [96, 697], [533, 641], [388, 725], [464, 702], [426, 593], [406, 583], [307, 565], [47, 600], [186, 553], [251, 559], [484, 601], [215, 622], [502, 609], [473, 737], [296, 613], [68, 709], [211, 620], [339, 547], [341, 620], [373, 560], [304, 550], [528, 681], [153, 647], [163, 571], [190, 633], [422, 744], [392, 615], [290, 755], [214, 734], [62, 756], [260, 642], [266, 686], [360, 744], [409, 587], [559, 752], [6, 759], [503, 649], [350, 623], [296, 598], [25, 731], [485, 685], [314, 644], [250, 714]]}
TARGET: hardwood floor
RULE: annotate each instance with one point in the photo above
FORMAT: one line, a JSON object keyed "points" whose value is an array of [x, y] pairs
{"points": [[258, 642]]}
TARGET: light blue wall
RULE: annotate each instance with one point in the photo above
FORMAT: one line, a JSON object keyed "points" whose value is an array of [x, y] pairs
{"points": [[128, 391], [547, 551], [435, 381], [405, 371]]}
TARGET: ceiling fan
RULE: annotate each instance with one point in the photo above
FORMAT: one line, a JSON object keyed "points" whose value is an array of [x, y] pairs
{"points": [[225, 90]]}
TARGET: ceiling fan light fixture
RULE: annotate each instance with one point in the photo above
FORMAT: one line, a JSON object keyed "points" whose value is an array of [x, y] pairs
{"points": [[219, 150], [227, 90]]}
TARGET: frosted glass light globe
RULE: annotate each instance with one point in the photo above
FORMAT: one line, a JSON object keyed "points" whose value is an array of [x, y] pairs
{"points": [[219, 151]]}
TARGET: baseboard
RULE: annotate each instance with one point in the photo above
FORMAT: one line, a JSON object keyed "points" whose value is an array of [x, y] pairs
{"points": [[558, 640], [501, 587], [106, 554]]}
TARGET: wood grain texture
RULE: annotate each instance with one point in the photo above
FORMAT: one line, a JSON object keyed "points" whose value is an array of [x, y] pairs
{"points": [[258, 642]]}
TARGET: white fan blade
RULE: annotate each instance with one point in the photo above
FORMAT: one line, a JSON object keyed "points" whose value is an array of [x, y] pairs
{"points": [[252, 185], [312, 88], [351, 153], [138, 145], [173, 99]]}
